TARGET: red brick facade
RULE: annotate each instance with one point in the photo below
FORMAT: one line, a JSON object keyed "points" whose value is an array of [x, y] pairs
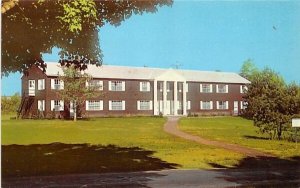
{"points": [[131, 95]]}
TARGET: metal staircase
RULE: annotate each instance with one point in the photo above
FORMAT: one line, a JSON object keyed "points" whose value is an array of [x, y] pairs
{"points": [[25, 105]]}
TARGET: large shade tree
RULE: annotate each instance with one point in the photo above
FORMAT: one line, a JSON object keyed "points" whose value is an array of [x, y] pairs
{"points": [[33, 27]]}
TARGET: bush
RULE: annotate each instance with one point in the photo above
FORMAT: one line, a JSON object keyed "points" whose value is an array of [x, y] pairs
{"points": [[10, 104]]}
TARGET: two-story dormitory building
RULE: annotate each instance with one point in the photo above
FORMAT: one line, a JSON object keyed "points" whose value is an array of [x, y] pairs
{"points": [[136, 91]]}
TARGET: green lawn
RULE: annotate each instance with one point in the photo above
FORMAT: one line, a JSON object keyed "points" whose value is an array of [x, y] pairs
{"points": [[239, 131], [143, 132]]}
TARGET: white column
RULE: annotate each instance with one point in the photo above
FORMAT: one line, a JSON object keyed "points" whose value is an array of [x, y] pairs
{"points": [[184, 98], [165, 98], [175, 99], [155, 112]]}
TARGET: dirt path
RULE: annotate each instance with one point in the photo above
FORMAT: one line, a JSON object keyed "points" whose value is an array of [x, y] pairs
{"points": [[171, 128]]}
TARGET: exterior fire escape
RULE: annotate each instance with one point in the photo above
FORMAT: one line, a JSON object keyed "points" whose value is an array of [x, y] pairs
{"points": [[27, 100]]}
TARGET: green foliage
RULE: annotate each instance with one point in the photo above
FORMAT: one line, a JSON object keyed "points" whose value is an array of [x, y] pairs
{"points": [[10, 104], [75, 89], [248, 69], [75, 13], [271, 102], [35, 27]]}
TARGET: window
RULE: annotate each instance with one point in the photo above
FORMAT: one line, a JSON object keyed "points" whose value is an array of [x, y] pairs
{"points": [[160, 86], [222, 105], [243, 105], [41, 84], [168, 86], [31, 88], [188, 105], [116, 85], [179, 105], [180, 87], [57, 84], [117, 105], [222, 88], [41, 105], [206, 88], [93, 105], [206, 105], [243, 89], [57, 105], [31, 83], [144, 105], [144, 86], [96, 83]]}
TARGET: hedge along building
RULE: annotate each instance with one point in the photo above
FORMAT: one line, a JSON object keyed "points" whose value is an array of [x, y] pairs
{"points": [[136, 91]]}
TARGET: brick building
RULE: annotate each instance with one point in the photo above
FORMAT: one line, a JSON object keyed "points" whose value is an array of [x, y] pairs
{"points": [[136, 91]]}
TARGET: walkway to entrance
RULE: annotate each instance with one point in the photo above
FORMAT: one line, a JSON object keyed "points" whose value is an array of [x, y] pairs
{"points": [[172, 128]]}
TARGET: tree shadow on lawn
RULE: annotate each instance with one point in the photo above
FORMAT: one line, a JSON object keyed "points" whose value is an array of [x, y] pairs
{"points": [[256, 137], [60, 158], [263, 172]]}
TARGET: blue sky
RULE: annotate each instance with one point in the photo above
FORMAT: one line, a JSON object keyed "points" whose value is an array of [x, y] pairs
{"points": [[203, 35]]}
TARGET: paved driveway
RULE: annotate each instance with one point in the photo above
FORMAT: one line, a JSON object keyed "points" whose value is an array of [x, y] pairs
{"points": [[166, 178]]}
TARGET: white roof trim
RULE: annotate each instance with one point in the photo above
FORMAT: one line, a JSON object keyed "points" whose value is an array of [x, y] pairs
{"points": [[171, 75], [146, 73]]}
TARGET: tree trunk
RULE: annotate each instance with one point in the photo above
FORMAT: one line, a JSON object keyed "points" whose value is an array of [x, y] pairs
{"points": [[279, 131]]}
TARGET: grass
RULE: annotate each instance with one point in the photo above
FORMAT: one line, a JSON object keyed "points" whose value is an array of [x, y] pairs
{"points": [[238, 131], [145, 133]]}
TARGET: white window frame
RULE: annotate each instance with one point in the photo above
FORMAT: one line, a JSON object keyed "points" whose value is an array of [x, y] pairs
{"points": [[224, 88], [57, 105], [144, 86], [188, 105], [243, 105], [116, 85], [206, 88], [116, 107], [144, 105], [94, 105], [223, 106], [41, 84], [243, 88], [41, 105], [57, 84], [95, 83], [206, 105]]}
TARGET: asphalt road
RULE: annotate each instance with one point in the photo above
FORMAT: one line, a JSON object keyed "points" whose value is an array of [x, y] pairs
{"points": [[167, 178]]}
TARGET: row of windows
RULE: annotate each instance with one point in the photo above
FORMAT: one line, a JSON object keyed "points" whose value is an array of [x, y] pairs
{"points": [[220, 105], [96, 105], [144, 86]]}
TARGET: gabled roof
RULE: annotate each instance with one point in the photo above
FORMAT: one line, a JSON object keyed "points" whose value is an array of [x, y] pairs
{"points": [[146, 73]]}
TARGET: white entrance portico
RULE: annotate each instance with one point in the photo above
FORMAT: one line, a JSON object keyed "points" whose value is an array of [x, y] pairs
{"points": [[166, 102]]}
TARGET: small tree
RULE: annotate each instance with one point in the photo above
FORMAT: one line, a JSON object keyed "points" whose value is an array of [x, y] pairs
{"points": [[75, 90], [271, 102], [248, 69]]}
